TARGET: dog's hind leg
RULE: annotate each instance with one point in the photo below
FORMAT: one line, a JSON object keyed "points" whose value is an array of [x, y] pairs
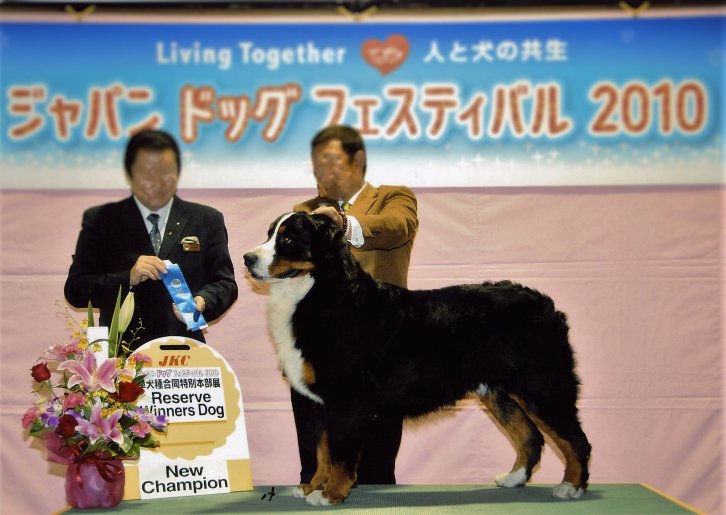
{"points": [[523, 433], [561, 424]]}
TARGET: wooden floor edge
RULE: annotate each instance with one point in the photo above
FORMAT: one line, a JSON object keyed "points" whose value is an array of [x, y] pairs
{"points": [[673, 499]]}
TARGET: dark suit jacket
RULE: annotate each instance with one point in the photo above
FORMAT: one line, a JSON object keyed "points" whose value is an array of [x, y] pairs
{"points": [[387, 215], [112, 238]]}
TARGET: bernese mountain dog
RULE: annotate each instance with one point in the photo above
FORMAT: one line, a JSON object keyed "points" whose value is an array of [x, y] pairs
{"points": [[361, 349]]}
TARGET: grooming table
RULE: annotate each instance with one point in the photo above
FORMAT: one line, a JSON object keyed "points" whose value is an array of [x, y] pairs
{"points": [[432, 499]]}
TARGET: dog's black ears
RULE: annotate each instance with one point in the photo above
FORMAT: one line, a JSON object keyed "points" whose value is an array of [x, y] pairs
{"points": [[328, 246], [326, 228], [323, 221]]}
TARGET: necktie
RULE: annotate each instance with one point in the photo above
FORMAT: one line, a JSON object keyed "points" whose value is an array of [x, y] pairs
{"points": [[346, 207], [155, 234]]}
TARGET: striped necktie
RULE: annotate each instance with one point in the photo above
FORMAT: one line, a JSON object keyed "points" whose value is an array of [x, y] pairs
{"points": [[155, 234]]}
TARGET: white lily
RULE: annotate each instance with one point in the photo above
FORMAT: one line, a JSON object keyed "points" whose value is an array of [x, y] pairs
{"points": [[126, 313], [120, 320]]}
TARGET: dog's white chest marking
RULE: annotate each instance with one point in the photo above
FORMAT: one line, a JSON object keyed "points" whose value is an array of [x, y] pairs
{"points": [[284, 298]]}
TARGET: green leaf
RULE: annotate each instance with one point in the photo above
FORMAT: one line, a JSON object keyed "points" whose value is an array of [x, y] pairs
{"points": [[113, 335], [90, 315], [149, 442], [134, 451], [127, 444], [37, 429]]}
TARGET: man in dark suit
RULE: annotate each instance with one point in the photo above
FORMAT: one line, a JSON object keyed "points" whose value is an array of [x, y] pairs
{"points": [[381, 225], [125, 243]]}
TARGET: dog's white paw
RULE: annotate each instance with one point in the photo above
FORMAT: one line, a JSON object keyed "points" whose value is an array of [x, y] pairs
{"points": [[512, 479], [315, 498], [567, 490], [298, 492]]}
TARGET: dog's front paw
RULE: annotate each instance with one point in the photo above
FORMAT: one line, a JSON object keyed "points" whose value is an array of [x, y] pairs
{"points": [[567, 490], [299, 492], [323, 498], [512, 479], [316, 498]]}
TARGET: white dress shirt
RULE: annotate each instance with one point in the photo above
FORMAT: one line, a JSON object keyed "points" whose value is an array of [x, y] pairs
{"points": [[356, 231], [163, 213]]}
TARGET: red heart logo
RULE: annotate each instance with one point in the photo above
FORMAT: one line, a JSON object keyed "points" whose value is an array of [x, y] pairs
{"points": [[386, 56]]}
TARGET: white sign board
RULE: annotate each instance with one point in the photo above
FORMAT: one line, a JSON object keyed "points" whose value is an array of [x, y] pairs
{"points": [[205, 448]]}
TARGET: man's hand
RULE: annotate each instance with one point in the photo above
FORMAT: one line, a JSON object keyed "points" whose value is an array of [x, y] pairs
{"points": [[146, 267], [198, 301], [330, 212]]}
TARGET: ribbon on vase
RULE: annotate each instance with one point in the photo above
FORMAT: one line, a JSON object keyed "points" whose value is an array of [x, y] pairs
{"points": [[177, 287], [109, 467], [58, 450]]}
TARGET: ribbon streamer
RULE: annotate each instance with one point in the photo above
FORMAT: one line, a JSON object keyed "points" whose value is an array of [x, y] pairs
{"points": [[177, 287]]}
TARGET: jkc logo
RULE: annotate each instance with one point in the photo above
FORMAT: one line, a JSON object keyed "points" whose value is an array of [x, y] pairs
{"points": [[175, 361]]}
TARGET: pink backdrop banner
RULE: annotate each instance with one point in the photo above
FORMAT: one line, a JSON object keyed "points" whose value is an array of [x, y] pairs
{"points": [[638, 270]]}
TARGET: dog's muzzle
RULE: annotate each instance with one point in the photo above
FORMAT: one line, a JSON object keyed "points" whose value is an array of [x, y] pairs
{"points": [[250, 261], [259, 271]]}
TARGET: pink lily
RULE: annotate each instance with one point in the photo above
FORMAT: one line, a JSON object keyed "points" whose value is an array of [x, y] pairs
{"points": [[89, 375], [99, 427]]}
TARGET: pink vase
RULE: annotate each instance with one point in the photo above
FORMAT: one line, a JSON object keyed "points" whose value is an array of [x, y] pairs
{"points": [[95, 483]]}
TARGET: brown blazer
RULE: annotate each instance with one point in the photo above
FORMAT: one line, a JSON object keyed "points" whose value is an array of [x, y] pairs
{"points": [[387, 215]]}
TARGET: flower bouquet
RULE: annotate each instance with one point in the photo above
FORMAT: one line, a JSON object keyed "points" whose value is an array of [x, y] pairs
{"points": [[87, 416]]}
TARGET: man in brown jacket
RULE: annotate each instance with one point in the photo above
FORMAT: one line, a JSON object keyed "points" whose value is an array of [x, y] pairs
{"points": [[381, 224]]}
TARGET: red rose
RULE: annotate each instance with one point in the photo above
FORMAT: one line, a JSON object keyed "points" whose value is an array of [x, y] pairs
{"points": [[127, 392], [40, 372], [67, 426]]}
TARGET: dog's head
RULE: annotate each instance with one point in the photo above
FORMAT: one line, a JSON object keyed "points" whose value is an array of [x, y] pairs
{"points": [[294, 246]]}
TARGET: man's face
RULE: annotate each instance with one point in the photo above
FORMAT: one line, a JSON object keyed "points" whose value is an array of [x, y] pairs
{"points": [[338, 176], [154, 177]]}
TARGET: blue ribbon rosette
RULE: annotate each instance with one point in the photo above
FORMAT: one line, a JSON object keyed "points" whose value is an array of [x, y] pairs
{"points": [[177, 287]]}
